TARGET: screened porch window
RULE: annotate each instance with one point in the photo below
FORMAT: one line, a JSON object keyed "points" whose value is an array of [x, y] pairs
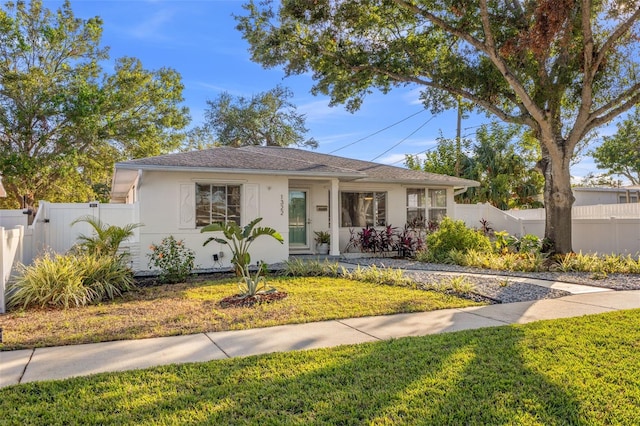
{"points": [[217, 203], [362, 209]]}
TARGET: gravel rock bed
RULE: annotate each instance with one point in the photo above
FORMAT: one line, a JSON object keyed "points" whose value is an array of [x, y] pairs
{"points": [[492, 290]]}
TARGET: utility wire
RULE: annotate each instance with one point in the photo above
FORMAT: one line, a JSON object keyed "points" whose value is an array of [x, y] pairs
{"points": [[379, 131], [424, 151], [410, 134]]}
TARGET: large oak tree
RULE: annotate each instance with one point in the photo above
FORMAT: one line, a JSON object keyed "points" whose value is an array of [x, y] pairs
{"points": [[64, 120], [267, 118], [560, 67]]}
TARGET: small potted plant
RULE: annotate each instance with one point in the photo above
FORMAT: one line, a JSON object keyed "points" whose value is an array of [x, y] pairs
{"points": [[323, 239]]}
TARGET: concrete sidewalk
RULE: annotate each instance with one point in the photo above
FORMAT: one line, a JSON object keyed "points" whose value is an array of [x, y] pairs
{"points": [[61, 362]]}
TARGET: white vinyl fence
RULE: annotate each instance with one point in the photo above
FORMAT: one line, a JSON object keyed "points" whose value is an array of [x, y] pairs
{"points": [[51, 231], [604, 229], [10, 252]]}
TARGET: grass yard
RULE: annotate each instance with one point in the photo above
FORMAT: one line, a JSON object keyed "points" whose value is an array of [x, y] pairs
{"points": [[580, 371], [191, 308]]}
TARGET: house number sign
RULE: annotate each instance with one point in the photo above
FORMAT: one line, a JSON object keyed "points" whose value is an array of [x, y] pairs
{"points": [[281, 205]]}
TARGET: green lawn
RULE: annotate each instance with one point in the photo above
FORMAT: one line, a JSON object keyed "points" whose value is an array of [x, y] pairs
{"points": [[192, 308], [582, 371]]}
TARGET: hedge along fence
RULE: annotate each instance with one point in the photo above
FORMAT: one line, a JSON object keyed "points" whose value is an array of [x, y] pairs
{"points": [[602, 229], [11, 246]]}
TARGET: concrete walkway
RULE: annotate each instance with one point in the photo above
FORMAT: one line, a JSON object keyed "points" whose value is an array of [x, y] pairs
{"points": [[24, 366]]}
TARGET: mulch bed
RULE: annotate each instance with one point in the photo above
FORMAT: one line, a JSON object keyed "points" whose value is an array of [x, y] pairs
{"points": [[236, 301]]}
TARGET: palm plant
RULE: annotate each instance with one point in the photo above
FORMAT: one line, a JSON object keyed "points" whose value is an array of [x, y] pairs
{"points": [[106, 239], [240, 239]]}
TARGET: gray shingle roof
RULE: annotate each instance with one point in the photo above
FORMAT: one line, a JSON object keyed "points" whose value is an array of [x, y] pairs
{"points": [[289, 161]]}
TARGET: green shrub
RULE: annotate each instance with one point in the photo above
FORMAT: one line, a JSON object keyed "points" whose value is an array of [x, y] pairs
{"points": [[173, 258], [68, 281], [453, 235], [106, 239]]}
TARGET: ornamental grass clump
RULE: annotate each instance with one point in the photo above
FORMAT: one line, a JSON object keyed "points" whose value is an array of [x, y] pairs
{"points": [[173, 258], [251, 286], [311, 268], [68, 280], [607, 264], [373, 274]]}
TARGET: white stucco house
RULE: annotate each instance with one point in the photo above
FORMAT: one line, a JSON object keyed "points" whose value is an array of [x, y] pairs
{"points": [[590, 196], [295, 191]]}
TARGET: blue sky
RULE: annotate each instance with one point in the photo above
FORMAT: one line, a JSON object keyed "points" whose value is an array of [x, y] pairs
{"points": [[199, 40]]}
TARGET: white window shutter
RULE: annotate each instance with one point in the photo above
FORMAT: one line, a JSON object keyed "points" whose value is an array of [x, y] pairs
{"points": [[251, 202], [187, 213]]}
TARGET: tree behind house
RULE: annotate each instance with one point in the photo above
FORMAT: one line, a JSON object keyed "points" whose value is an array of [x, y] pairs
{"points": [[64, 120]]}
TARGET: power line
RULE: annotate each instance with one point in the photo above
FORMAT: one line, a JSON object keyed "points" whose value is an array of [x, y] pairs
{"points": [[378, 131], [410, 134], [424, 151]]}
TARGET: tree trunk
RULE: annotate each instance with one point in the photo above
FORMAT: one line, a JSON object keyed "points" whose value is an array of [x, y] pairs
{"points": [[558, 200]]}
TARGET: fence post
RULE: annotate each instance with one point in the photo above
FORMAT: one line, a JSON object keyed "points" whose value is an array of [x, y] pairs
{"points": [[20, 249], [3, 279], [616, 236]]}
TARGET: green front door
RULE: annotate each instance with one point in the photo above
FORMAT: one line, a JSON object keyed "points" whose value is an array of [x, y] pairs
{"points": [[298, 219]]}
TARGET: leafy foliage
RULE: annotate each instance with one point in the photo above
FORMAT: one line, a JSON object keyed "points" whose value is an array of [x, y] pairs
{"points": [[559, 67], [620, 154], [173, 258], [502, 160], [106, 239], [268, 118], [388, 239], [65, 121], [68, 281], [453, 235], [240, 239], [253, 285]]}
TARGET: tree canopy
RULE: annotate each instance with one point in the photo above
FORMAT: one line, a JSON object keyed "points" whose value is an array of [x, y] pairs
{"points": [[268, 118], [620, 154], [502, 160], [560, 67], [64, 120]]}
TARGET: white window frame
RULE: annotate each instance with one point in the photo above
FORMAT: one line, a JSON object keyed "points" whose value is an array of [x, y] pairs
{"points": [[238, 206], [431, 202]]}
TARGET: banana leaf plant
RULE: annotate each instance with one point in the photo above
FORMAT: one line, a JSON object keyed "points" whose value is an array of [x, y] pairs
{"points": [[240, 239]]}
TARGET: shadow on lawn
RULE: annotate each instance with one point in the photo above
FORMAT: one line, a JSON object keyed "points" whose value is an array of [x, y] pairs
{"points": [[475, 377]]}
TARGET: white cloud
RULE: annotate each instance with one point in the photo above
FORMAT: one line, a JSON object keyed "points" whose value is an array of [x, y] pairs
{"points": [[413, 96], [320, 111], [152, 27]]}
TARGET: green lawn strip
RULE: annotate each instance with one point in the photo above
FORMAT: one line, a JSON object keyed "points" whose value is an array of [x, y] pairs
{"points": [[192, 308], [583, 371]]}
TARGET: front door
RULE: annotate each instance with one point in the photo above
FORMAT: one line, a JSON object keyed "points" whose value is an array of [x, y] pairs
{"points": [[298, 229]]}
